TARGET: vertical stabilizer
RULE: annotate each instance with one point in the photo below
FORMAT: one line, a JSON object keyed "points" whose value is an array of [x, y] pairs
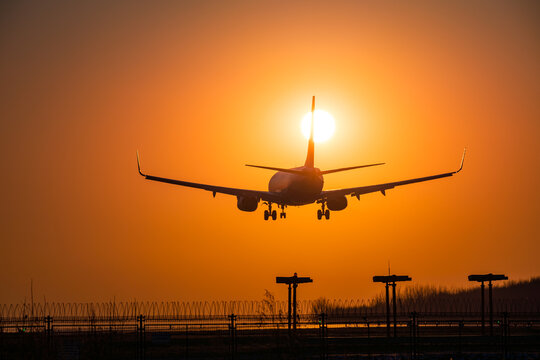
{"points": [[311, 145]]}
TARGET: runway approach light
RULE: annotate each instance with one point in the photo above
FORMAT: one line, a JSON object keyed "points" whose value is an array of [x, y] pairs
{"points": [[292, 281], [481, 279], [391, 280]]}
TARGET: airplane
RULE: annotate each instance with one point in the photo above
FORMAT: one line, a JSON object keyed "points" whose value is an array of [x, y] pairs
{"points": [[299, 186]]}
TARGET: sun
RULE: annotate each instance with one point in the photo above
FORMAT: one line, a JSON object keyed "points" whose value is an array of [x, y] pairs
{"points": [[323, 128]]}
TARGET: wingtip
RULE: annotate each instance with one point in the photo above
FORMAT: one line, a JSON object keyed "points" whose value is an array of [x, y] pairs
{"points": [[139, 164], [462, 160]]}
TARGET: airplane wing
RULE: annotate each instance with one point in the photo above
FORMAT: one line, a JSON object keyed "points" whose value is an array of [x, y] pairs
{"points": [[261, 195], [357, 191]]}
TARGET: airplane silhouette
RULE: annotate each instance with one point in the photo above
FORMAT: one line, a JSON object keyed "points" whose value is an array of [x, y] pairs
{"points": [[298, 186]]}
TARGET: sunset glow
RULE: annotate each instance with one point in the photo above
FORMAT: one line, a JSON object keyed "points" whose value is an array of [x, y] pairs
{"points": [[324, 126], [201, 88]]}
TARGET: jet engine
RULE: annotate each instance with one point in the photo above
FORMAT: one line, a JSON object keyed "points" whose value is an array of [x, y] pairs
{"points": [[337, 203], [247, 203]]}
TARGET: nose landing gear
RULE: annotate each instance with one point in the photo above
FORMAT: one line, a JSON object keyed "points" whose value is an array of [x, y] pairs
{"points": [[323, 211]]}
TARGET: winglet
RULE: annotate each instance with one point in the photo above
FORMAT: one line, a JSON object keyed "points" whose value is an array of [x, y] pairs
{"points": [[462, 160], [139, 164]]}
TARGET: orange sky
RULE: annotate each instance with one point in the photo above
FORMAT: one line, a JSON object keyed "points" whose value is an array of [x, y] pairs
{"points": [[201, 88]]}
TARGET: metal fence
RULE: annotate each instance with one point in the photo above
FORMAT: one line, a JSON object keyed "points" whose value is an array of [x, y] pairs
{"points": [[170, 323], [117, 335]]}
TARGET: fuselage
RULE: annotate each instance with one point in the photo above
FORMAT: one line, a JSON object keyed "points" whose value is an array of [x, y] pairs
{"points": [[297, 189]]}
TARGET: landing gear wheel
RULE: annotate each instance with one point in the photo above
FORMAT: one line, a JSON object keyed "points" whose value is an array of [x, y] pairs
{"points": [[323, 211], [282, 214], [269, 213]]}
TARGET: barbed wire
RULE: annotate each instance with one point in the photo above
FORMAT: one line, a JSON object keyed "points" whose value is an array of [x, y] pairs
{"points": [[338, 307]]}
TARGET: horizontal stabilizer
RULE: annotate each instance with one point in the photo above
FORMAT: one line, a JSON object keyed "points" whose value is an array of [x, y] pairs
{"points": [[349, 168], [292, 171]]}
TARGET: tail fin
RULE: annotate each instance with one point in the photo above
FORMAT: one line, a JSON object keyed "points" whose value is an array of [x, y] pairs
{"points": [[310, 162]]}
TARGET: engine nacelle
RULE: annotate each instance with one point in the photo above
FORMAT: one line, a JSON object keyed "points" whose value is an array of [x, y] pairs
{"points": [[337, 203], [247, 203]]}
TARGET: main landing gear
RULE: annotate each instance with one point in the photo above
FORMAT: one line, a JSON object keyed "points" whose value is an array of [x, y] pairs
{"points": [[273, 213], [322, 212], [270, 213], [282, 214]]}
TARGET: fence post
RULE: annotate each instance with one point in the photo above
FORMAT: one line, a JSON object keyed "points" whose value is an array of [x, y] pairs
{"points": [[461, 325], [414, 334], [368, 337], [232, 328], [504, 335], [141, 346], [323, 335], [187, 344], [411, 323], [48, 332]]}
